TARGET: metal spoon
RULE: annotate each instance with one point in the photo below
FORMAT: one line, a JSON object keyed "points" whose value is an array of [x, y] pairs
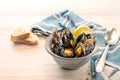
{"points": [[111, 38]]}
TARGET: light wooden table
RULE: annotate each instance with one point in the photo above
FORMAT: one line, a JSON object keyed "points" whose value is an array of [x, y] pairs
{"points": [[25, 62]]}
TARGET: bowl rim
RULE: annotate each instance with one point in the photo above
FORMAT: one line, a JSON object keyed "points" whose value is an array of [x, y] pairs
{"points": [[47, 44]]}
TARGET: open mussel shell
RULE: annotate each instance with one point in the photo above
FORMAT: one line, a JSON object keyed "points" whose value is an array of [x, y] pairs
{"points": [[67, 39], [67, 52], [69, 34], [66, 42], [81, 38], [56, 48], [90, 47], [56, 36], [80, 49]]}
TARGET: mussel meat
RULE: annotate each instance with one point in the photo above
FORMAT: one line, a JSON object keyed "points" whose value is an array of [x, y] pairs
{"points": [[67, 52], [79, 49]]}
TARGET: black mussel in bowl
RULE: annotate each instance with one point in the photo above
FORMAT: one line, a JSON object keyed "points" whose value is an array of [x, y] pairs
{"points": [[70, 52]]}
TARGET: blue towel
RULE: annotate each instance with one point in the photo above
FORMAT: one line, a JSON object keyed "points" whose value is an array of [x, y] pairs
{"points": [[60, 20], [69, 19]]}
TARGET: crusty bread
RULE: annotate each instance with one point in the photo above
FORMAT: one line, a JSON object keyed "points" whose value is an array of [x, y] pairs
{"points": [[19, 34], [32, 39], [24, 37]]}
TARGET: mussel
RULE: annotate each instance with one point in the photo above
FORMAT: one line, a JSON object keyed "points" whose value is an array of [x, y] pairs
{"points": [[90, 44], [81, 38], [67, 52], [56, 48], [88, 41], [79, 49], [67, 39]]}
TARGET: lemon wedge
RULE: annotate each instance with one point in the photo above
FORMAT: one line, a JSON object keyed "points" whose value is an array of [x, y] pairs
{"points": [[80, 30]]}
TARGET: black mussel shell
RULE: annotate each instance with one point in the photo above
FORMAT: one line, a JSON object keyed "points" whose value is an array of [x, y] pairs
{"points": [[56, 48], [89, 48], [69, 34], [89, 36], [81, 38], [66, 42], [79, 49]]}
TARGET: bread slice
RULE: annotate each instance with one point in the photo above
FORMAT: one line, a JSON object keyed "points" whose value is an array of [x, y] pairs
{"points": [[24, 37], [31, 40], [19, 34]]}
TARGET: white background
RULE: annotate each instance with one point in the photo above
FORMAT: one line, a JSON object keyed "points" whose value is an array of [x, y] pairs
{"points": [[47, 7]]}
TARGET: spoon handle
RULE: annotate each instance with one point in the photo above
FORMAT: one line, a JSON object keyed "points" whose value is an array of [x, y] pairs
{"points": [[101, 62]]}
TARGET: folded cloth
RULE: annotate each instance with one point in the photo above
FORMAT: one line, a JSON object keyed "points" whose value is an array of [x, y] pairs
{"points": [[69, 19], [60, 20]]}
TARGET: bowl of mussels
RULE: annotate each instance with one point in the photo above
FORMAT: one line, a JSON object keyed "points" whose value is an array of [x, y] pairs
{"points": [[70, 52]]}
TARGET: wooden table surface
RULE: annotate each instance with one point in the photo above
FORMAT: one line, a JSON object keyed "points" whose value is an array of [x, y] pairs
{"points": [[25, 62]]}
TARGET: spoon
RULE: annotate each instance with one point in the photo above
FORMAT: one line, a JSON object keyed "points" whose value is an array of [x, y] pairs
{"points": [[111, 38]]}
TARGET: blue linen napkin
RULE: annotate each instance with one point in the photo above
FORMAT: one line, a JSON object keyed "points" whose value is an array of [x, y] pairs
{"points": [[69, 19], [60, 20]]}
